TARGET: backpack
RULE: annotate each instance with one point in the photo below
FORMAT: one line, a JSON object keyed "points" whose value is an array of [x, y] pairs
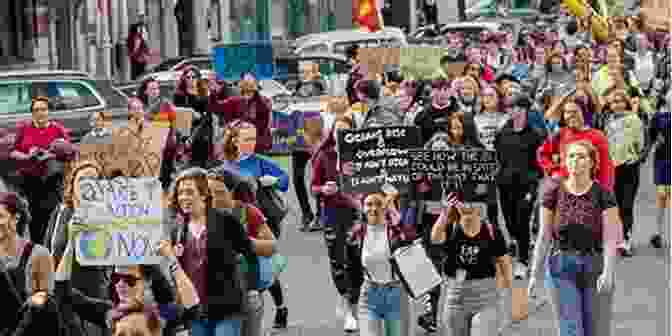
{"points": [[385, 112], [264, 264]]}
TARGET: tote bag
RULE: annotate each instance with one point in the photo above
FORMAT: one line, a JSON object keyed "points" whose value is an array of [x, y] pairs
{"points": [[415, 270]]}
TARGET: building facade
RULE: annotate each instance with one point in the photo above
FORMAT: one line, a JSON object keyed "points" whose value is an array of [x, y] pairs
{"points": [[90, 35]]}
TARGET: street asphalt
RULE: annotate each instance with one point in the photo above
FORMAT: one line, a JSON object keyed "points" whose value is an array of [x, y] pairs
{"points": [[642, 283]]}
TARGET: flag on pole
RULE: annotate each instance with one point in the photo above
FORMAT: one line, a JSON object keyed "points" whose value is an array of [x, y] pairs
{"points": [[366, 14]]}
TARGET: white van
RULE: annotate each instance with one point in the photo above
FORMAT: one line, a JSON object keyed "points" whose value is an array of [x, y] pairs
{"points": [[338, 41]]}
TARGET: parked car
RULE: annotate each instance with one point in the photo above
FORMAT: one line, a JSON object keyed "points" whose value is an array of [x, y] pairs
{"points": [[73, 97], [171, 69], [337, 41]]}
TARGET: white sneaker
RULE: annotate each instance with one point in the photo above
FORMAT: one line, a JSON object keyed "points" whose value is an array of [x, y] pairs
{"points": [[519, 270], [350, 324]]}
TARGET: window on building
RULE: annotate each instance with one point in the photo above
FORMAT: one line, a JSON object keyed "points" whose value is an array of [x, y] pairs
{"points": [[14, 98]]}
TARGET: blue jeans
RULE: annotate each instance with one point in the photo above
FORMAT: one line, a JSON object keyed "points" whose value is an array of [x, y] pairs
{"points": [[580, 309], [384, 311], [215, 328]]}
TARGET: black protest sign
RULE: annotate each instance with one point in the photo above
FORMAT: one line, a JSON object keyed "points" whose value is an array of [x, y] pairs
{"points": [[454, 169], [378, 156]]}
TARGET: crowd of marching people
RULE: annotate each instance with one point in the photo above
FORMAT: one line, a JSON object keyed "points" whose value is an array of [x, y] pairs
{"points": [[571, 120]]}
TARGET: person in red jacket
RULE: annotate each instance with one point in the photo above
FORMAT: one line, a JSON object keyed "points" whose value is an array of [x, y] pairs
{"points": [[549, 154], [40, 147], [253, 107]]}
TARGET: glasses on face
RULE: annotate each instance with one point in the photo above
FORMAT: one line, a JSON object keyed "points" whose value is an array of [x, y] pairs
{"points": [[578, 156], [374, 204], [129, 279]]}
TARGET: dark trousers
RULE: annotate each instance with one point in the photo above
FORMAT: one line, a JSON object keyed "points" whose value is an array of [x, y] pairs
{"points": [[43, 195], [299, 163], [517, 210], [625, 189], [345, 272], [425, 231], [137, 69]]}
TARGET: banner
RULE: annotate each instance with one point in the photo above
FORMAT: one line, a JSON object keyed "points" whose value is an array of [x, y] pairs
{"points": [[118, 221], [376, 156]]}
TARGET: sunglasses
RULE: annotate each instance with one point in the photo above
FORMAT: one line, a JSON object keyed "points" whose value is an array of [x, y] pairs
{"points": [[130, 280]]}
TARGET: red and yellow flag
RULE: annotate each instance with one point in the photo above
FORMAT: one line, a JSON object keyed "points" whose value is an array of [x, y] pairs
{"points": [[366, 14]]}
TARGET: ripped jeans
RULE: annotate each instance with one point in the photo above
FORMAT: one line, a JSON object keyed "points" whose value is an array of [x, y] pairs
{"points": [[572, 280]]}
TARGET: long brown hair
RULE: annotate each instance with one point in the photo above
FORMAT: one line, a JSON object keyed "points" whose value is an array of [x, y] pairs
{"points": [[200, 178], [459, 117], [231, 133]]}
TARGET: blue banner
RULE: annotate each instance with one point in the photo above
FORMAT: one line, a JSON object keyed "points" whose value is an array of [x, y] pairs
{"points": [[233, 60]]}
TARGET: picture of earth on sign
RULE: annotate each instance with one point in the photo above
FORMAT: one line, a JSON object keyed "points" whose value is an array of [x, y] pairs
{"points": [[95, 245]]}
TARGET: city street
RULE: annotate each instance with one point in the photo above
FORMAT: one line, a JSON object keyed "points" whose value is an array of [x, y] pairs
{"points": [[641, 303]]}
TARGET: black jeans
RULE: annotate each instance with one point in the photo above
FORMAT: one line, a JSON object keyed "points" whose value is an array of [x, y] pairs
{"points": [[345, 268], [517, 210], [299, 163], [43, 195], [137, 69], [625, 189]]}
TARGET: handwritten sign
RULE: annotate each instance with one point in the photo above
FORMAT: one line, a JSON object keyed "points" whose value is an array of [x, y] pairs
{"points": [[375, 59], [232, 60], [379, 156], [126, 151], [118, 221], [420, 62], [452, 168]]}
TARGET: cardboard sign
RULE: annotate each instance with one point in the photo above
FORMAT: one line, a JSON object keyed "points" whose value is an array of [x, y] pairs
{"points": [[378, 156], [375, 59], [420, 62], [452, 169], [233, 60], [133, 154], [118, 222]]}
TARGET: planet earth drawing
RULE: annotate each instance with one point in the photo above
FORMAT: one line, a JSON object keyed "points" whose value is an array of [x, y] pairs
{"points": [[95, 245]]}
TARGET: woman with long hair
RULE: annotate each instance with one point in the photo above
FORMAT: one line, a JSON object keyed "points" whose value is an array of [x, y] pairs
{"points": [[473, 261], [551, 155], [338, 214], [26, 267], [659, 137], [240, 140], [625, 133], [212, 240], [384, 305], [577, 244], [189, 91]]}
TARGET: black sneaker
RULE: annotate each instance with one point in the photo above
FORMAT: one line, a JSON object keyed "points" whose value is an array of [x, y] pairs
{"points": [[427, 322], [316, 225], [305, 225], [657, 241], [281, 318]]}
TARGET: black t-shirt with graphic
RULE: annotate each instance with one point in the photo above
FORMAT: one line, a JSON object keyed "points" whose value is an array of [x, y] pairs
{"points": [[476, 255]]}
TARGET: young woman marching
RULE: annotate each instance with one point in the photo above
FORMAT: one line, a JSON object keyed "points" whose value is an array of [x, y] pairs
{"points": [[625, 133], [659, 134], [474, 262], [385, 308], [338, 213], [518, 178], [582, 229]]}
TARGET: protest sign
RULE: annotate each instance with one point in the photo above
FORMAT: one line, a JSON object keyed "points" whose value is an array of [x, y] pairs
{"points": [[118, 221], [130, 153], [234, 59], [452, 169], [376, 59], [378, 156]]}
